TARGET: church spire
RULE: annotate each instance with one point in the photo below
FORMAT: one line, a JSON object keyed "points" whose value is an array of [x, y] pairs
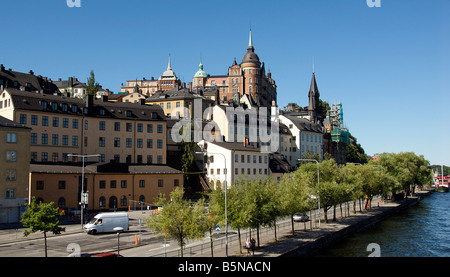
{"points": [[250, 40], [169, 66]]}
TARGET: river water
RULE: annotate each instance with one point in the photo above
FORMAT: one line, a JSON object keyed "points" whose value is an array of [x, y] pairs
{"points": [[422, 230]]}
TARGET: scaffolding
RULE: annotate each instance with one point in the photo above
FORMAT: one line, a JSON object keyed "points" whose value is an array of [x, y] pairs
{"points": [[338, 132]]}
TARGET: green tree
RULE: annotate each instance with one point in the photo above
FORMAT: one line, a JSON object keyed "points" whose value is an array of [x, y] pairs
{"points": [[92, 86], [179, 219], [355, 152], [42, 217], [214, 215], [296, 195]]}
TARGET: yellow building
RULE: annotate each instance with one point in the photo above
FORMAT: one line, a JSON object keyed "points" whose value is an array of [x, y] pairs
{"points": [[110, 186], [14, 168], [175, 101], [124, 132]]}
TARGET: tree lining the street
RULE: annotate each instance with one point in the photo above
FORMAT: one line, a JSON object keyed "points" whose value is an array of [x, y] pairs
{"points": [[253, 203]]}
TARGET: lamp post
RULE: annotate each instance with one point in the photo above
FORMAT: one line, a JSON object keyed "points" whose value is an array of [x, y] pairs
{"points": [[118, 230], [318, 182], [82, 182], [225, 182]]}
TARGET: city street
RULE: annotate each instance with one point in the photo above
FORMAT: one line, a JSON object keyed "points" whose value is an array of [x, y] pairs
{"points": [[73, 241]]}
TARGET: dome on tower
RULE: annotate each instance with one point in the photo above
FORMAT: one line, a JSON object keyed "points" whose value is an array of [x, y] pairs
{"points": [[200, 73]]}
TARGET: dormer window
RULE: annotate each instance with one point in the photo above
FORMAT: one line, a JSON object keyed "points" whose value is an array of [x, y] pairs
{"points": [[64, 107], [129, 113], [74, 108], [44, 105], [54, 106]]}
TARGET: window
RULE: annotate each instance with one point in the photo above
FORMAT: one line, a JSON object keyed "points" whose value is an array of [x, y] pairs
{"points": [[55, 139], [10, 175], [55, 122], [74, 140], [142, 183], [159, 159], [113, 184], [65, 123], [149, 143], [10, 194], [101, 141], [64, 107], [149, 159], [44, 120], [116, 126], [34, 120], [128, 142], [23, 119], [116, 142], [39, 185], [176, 182], [129, 127], [65, 140], [86, 124], [218, 171], [139, 128], [44, 105], [101, 125], [102, 184], [74, 108], [11, 137], [160, 144], [123, 184], [102, 201], [140, 143], [236, 158], [44, 139], [123, 200], [44, 157], [61, 184], [160, 183], [149, 128], [160, 128], [75, 123], [33, 138], [236, 171]]}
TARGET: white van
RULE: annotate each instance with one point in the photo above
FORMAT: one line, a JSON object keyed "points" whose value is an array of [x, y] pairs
{"points": [[106, 222]]}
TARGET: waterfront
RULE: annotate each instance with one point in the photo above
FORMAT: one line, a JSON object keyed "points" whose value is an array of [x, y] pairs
{"points": [[419, 231]]}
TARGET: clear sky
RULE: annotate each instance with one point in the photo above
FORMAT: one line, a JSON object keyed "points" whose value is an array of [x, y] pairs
{"points": [[390, 66]]}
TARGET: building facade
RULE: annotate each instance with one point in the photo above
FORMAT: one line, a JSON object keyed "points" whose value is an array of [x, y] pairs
{"points": [[124, 132], [247, 78], [168, 80], [110, 186], [14, 168]]}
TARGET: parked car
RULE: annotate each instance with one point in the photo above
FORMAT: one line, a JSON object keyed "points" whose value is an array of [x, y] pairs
{"points": [[300, 217]]}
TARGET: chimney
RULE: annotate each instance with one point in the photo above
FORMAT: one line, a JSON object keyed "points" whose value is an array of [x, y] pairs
{"points": [[89, 101], [190, 86], [104, 98], [31, 72], [142, 101], [2, 68], [70, 82]]}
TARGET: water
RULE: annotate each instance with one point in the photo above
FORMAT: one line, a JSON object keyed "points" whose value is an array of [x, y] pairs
{"points": [[420, 231]]}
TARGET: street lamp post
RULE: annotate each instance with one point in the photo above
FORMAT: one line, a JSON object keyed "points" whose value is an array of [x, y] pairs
{"points": [[118, 230], [82, 182], [318, 182], [225, 183]]}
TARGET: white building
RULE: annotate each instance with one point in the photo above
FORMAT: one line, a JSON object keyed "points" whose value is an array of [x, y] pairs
{"points": [[231, 160], [308, 135]]}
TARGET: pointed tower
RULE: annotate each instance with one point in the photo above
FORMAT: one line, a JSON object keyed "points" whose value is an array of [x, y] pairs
{"points": [[314, 107], [168, 79], [200, 77]]}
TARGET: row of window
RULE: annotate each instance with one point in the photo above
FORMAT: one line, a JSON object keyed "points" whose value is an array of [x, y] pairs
{"points": [[101, 141], [249, 171], [65, 158], [249, 158], [112, 184], [75, 124], [312, 138]]}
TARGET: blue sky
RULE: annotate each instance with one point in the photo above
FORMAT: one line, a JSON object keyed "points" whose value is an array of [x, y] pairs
{"points": [[390, 66]]}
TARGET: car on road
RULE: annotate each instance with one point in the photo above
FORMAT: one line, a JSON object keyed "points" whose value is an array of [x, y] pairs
{"points": [[300, 217]]}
